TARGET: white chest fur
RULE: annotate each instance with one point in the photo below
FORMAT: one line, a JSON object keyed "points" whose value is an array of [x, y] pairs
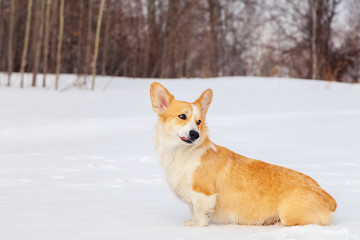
{"points": [[179, 163]]}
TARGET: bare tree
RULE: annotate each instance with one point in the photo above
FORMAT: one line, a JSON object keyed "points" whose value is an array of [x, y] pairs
{"points": [[10, 41], [80, 38], [88, 40], [97, 39], [46, 41], [54, 34], [1, 34], [26, 43], [314, 38], [305, 48], [106, 39], [153, 40], [39, 39], [215, 9], [33, 35], [168, 64], [61, 31]]}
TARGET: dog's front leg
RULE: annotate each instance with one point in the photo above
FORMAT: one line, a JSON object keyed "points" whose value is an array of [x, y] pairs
{"points": [[201, 208]]}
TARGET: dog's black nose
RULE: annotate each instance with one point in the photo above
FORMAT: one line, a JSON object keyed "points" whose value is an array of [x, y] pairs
{"points": [[194, 135]]}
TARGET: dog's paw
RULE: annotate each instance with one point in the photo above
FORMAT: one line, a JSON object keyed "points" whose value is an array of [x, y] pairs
{"points": [[196, 223]]}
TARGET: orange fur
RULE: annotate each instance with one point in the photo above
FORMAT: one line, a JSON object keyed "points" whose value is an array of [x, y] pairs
{"points": [[259, 193], [225, 186]]}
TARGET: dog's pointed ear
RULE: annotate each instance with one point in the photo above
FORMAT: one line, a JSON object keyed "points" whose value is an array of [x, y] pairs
{"points": [[160, 98], [204, 101]]}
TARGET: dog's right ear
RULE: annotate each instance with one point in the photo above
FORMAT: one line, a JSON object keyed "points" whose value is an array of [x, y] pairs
{"points": [[160, 98]]}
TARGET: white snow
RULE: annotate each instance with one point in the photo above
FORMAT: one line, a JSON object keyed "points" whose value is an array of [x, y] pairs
{"points": [[76, 164]]}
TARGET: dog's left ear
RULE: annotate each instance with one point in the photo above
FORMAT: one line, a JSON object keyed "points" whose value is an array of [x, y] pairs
{"points": [[204, 101], [160, 98]]}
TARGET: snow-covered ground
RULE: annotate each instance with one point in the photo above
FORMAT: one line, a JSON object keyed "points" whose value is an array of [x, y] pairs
{"points": [[76, 164]]}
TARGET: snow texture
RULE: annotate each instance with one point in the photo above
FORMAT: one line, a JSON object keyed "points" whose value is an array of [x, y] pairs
{"points": [[76, 164]]}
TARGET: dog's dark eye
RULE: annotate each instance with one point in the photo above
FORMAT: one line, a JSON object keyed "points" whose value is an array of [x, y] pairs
{"points": [[198, 122], [182, 116]]}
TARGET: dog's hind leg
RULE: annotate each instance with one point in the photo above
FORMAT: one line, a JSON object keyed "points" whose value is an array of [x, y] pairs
{"points": [[304, 210]]}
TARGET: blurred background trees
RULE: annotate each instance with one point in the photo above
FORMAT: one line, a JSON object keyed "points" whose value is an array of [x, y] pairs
{"points": [[317, 39]]}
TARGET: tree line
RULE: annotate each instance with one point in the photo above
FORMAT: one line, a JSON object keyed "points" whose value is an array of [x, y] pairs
{"points": [[311, 39]]}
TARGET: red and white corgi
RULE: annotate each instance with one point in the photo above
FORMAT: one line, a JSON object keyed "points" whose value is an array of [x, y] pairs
{"points": [[223, 186]]}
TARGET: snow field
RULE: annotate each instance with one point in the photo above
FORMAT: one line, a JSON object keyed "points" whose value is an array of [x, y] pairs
{"points": [[76, 164]]}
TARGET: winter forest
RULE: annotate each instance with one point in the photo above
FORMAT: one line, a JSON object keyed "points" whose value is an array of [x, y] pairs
{"points": [[310, 39]]}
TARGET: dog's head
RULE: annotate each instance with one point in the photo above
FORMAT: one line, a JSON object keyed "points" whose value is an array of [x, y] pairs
{"points": [[183, 122]]}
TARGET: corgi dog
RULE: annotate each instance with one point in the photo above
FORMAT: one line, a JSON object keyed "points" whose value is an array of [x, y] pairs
{"points": [[222, 186]]}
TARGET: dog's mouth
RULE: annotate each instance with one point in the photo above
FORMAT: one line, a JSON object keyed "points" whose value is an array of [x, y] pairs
{"points": [[184, 139]]}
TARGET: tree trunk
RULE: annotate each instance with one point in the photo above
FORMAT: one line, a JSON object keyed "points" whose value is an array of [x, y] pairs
{"points": [[46, 40], [58, 54], [39, 40], [153, 47], [97, 39], [168, 59], [215, 30], [78, 54], [10, 44], [33, 35], [54, 33], [314, 39], [26, 43], [88, 39], [1, 31], [106, 39]]}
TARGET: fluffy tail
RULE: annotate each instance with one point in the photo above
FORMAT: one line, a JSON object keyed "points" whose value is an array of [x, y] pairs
{"points": [[330, 201]]}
